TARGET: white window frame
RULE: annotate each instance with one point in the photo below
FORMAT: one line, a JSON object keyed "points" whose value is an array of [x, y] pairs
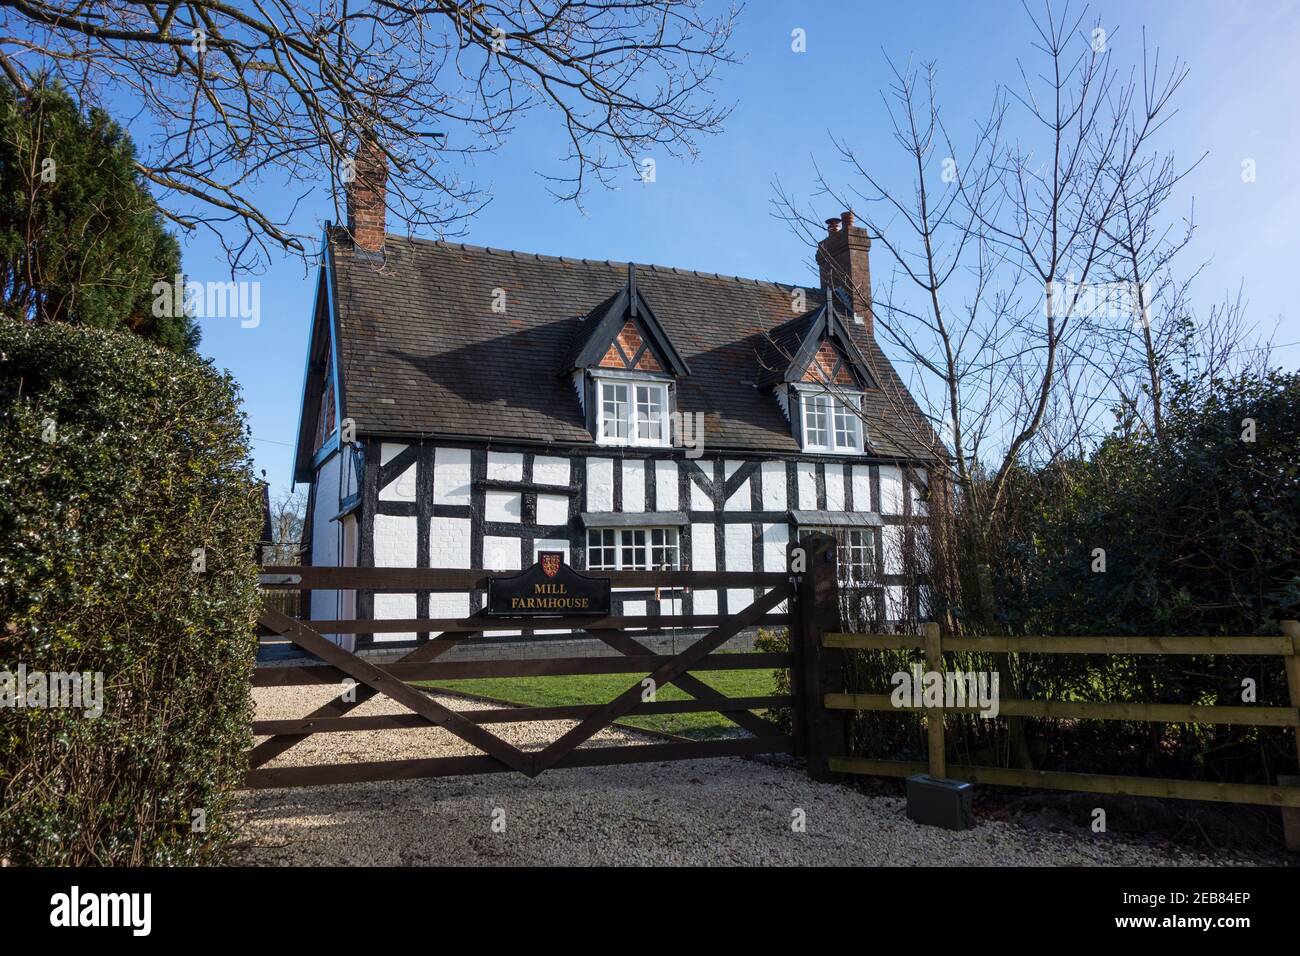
{"points": [[819, 406], [638, 429], [852, 574], [844, 405], [602, 417], [625, 542]]}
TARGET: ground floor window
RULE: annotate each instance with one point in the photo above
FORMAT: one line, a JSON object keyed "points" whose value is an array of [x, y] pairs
{"points": [[856, 553], [632, 549]]}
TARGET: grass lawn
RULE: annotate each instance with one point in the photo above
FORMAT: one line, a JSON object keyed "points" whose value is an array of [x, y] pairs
{"points": [[600, 688]]}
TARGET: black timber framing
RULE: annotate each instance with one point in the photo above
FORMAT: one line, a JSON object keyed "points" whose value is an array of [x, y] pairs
{"points": [[366, 523], [423, 525], [719, 486], [708, 474]]}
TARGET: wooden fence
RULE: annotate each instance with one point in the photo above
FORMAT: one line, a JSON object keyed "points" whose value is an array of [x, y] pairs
{"points": [[832, 740]]}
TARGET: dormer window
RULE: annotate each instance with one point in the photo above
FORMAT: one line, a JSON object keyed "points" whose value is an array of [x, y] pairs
{"points": [[625, 368], [819, 375], [632, 413], [832, 423]]}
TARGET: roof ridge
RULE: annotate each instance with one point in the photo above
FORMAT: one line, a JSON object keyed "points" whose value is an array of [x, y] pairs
{"points": [[573, 260]]}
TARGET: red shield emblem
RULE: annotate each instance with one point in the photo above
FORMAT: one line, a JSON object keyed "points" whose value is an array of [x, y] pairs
{"points": [[550, 562]]}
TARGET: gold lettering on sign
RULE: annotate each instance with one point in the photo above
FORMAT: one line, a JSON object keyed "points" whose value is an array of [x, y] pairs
{"points": [[545, 598], [549, 603]]}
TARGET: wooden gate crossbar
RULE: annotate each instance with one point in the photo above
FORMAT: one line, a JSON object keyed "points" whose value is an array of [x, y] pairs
{"points": [[694, 686], [282, 676], [625, 701], [371, 771], [380, 681], [268, 750], [306, 726], [498, 754]]}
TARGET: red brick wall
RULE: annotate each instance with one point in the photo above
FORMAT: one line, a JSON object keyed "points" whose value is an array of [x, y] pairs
{"points": [[629, 340], [819, 369]]}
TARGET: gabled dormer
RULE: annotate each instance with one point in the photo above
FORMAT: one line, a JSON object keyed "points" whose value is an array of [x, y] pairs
{"points": [[820, 378], [625, 368]]}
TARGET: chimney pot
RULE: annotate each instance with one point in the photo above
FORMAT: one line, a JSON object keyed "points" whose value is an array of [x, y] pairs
{"points": [[847, 217], [832, 226]]}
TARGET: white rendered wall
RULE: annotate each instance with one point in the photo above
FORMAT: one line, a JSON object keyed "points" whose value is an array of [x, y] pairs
{"points": [[891, 490], [402, 488], [325, 535]]}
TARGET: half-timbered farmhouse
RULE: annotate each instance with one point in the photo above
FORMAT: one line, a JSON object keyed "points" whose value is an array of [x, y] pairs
{"points": [[469, 407]]}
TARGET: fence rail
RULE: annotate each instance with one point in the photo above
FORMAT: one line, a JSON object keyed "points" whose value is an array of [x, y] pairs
{"points": [[310, 577], [479, 622], [935, 646], [1044, 644], [1243, 793], [288, 676], [1095, 710]]}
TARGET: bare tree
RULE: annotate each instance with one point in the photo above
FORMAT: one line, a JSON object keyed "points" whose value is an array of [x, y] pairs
{"points": [[994, 250], [288, 520], [236, 93]]}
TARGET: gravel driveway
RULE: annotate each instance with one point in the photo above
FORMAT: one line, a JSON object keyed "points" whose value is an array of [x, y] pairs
{"points": [[701, 812]]}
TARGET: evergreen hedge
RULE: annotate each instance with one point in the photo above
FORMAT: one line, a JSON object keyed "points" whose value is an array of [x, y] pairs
{"points": [[117, 461], [1200, 532]]}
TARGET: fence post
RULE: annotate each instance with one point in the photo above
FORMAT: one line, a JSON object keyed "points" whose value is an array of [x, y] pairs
{"points": [[934, 716], [820, 669], [1291, 815]]}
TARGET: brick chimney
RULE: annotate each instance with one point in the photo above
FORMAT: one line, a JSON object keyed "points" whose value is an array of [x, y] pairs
{"points": [[368, 196], [842, 261]]}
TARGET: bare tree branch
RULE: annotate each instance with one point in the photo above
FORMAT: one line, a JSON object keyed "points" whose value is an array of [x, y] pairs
{"points": [[283, 90]]}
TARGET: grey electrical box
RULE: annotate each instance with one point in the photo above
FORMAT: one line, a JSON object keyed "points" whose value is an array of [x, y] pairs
{"points": [[937, 802]]}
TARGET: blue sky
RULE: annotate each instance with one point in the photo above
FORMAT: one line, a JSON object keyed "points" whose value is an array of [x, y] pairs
{"points": [[715, 214]]}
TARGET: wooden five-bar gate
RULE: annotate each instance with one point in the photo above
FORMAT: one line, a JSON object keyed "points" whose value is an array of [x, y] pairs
{"points": [[782, 600]]}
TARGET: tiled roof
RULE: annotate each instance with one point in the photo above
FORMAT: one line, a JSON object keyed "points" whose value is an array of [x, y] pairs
{"points": [[780, 346], [422, 353]]}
